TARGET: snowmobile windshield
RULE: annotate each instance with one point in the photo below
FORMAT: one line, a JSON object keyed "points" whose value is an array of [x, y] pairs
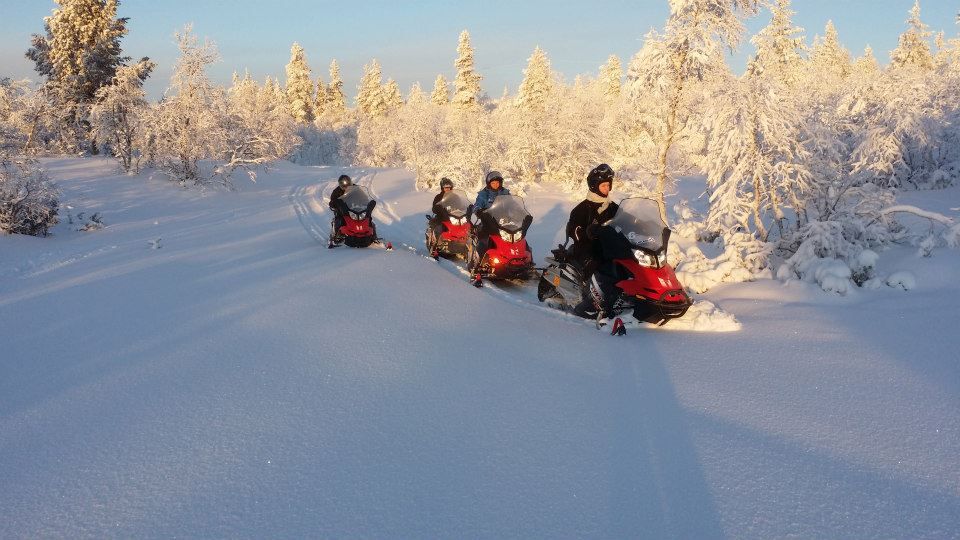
{"points": [[356, 198], [455, 203], [638, 220], [509, 212]]}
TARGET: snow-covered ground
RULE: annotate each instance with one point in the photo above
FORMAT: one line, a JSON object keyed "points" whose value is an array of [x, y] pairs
{"points": [[205, 367]]}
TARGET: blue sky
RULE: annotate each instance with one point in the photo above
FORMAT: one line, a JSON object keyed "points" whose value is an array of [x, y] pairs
{"points": [[416, 41]]}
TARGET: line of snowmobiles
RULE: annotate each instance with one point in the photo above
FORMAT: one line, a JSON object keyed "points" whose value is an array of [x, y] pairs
{"points": [[643, 284]]}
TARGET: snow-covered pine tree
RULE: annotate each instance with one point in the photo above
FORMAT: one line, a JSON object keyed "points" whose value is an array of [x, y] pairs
{"points": [[79, 54], [780, 46], [371, 98], [536, 86], [299, 88], [913, 50], [320, 99], [117, 115], [416, 94], [670, 66], [467, 84], [866, 65], [828, 58], [273, 92], [529, 139], [611, 78], [335, 109], [441, 91], [392, 95]]}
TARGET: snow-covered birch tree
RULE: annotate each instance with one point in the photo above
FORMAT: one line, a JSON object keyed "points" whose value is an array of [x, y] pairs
{"points": [[188, 124], [117, 116], [757, 161], [670, 66]]}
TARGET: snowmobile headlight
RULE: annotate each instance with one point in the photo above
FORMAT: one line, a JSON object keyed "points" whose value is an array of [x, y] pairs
{"points": [[457, 221], [644, 258], [662, 258], [511, 237], [357, 215]]}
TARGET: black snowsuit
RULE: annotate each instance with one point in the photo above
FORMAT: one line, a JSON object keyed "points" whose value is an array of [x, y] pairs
{"points": [[585, 214], [439, 215], [584, 253], [609, 245], [336, 205]]}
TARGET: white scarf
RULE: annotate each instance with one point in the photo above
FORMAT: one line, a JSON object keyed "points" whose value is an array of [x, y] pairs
{"points": [[604, 201]]}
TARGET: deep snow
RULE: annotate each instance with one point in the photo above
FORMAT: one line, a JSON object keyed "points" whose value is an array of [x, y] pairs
{"points": [[238, 379]]}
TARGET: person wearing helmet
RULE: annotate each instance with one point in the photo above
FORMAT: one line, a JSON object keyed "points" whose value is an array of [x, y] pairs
{"points": [[595, 209], [439, 213], [335, 204], [485, 198], [342, 184], [446, 186]]}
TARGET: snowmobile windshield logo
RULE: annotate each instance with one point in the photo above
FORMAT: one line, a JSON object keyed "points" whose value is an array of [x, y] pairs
{"points": [[637, 238]]}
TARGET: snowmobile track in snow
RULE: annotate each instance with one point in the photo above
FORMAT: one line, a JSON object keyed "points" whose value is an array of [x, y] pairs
{"points": [[303, 198]]}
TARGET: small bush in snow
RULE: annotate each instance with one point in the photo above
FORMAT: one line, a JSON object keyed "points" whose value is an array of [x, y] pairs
{"points": [[28, 200], [744, 258], [95, 223]]}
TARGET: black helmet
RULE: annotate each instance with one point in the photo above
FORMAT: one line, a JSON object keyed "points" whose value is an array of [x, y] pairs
{"points": [[600, 174], [494, 175], [446, 182], [344, 181]]}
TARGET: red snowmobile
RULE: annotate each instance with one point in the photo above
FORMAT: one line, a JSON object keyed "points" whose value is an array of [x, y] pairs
{"points": [[504, 254], [357, 228], [454, 236], [638, 278]]}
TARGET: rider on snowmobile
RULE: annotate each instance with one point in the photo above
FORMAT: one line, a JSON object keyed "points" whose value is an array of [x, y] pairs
{"points": [[340, 208], [485, 198], [342, 184], [596, 208], [439, 213]]}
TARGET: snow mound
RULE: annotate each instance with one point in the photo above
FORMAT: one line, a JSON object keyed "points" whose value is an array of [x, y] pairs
{"points": [[902, 280], [704, 316], [832, 275]]}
